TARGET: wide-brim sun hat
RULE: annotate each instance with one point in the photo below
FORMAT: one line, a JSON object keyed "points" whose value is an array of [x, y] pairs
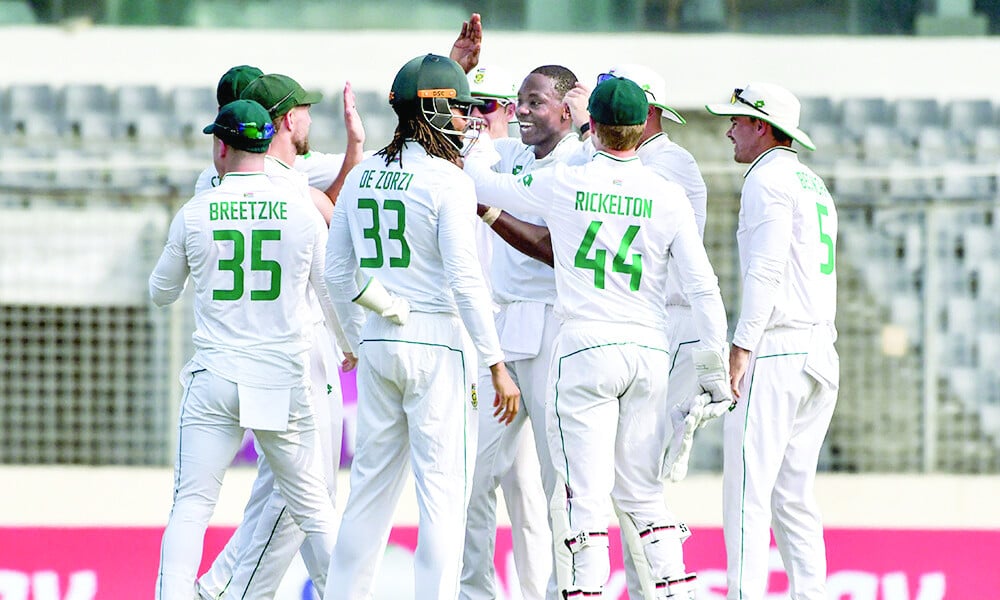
{"points": [[650, 82], [767, 102]]}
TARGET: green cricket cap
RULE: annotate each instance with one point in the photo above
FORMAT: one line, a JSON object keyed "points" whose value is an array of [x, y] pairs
{"points": [[233, 82], [618, 101], [279, 94], [431, 76], [244, 125]]}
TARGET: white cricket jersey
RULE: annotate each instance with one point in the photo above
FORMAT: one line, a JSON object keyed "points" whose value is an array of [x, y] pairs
{"points": [[411, 225], [614, 225], [321, 168], [516, 277], [250, 248], [672, 162], [787, 243]]}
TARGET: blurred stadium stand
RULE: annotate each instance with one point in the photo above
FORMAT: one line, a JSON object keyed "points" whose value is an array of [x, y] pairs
{"points": [[90, 177]]}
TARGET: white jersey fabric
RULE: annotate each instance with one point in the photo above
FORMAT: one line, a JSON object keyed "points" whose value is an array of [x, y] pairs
{"points": [[423, 250], [787, 228], [320, 169], [260, 337], [516, 277], [572, 200]]}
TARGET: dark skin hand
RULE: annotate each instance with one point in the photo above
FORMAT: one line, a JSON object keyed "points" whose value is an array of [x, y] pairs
{"points": [[531, 240]]}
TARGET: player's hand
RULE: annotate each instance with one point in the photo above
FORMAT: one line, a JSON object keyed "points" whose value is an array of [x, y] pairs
{"points": [[350, 362], [577, 99], [465, 50], [739, 360], [507, 401], [684, 424], [712, 379], [352, 119]]}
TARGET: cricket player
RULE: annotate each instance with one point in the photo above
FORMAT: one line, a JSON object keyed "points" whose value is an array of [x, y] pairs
{"points": [[506, 455], [260, 551], [250, 247], [783, 365], [407, 216], [615, 227]]}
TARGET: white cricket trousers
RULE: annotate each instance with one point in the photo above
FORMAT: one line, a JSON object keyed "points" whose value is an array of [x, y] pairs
{"points": [[683, 382], [257, 555], [209, 438], [608, 427], [772, 445], [414, 408], [516, 458]]}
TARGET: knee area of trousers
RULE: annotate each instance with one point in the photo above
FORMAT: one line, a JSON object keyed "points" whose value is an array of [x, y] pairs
{"points": [[663, 532], [580, 540], [677, 588]]}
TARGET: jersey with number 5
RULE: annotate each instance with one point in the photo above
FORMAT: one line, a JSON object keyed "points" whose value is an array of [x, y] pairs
{"points": [[615, 227], [410, 224], [787, 242], [250, 248]]}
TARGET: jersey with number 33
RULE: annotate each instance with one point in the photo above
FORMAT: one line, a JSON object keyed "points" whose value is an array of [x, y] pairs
{"points": [[410, 225]]}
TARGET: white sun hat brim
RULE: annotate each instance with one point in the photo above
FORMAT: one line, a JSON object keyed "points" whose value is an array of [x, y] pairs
{"points": [[778, 107]]}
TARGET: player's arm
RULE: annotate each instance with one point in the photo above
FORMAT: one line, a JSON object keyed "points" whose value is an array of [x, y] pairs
{"points": [[331, 318], [167, 280], [530, 193], [340, 279], [769, 213], [527, 238], [465, 50], [355, 145], [456, 223]]}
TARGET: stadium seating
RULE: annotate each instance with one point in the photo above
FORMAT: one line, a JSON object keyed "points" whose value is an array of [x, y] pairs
{"points": [[912, 177]]}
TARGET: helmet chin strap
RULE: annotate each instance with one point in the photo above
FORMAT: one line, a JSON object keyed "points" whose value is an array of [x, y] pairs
{"points": [[437, 113]]}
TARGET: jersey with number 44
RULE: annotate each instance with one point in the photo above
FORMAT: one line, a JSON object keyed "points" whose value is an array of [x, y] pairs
{"points": [[615, 227], [787, 237], [250, 247]]}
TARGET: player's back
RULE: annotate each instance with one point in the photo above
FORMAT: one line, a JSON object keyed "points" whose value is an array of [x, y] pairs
{"points": [[397, 216], [250, 246], [809, 292], [613, 223]]}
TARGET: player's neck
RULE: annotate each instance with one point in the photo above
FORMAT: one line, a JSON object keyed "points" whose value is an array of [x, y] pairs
{"points": [[543, 150]]}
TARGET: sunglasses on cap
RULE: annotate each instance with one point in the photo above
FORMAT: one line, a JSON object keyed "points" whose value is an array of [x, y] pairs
{"points": [[271, 110], [491, 105], [606, 76], [737, 97], [251, 131]]}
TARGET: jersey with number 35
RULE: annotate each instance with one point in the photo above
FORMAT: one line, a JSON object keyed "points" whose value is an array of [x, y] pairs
{"points": [[615, 227], [787, 242], [250, 248]]}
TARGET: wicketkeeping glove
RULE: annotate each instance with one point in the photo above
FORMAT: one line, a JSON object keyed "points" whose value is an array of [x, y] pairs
{"points": [[713, 379], [377, 299], [684, 422]]}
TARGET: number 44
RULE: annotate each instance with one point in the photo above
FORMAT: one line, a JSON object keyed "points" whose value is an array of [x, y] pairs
{"points": [[598, 263]]}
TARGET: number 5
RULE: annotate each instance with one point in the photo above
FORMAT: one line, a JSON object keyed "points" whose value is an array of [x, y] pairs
{"points": [[827, 267]]}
